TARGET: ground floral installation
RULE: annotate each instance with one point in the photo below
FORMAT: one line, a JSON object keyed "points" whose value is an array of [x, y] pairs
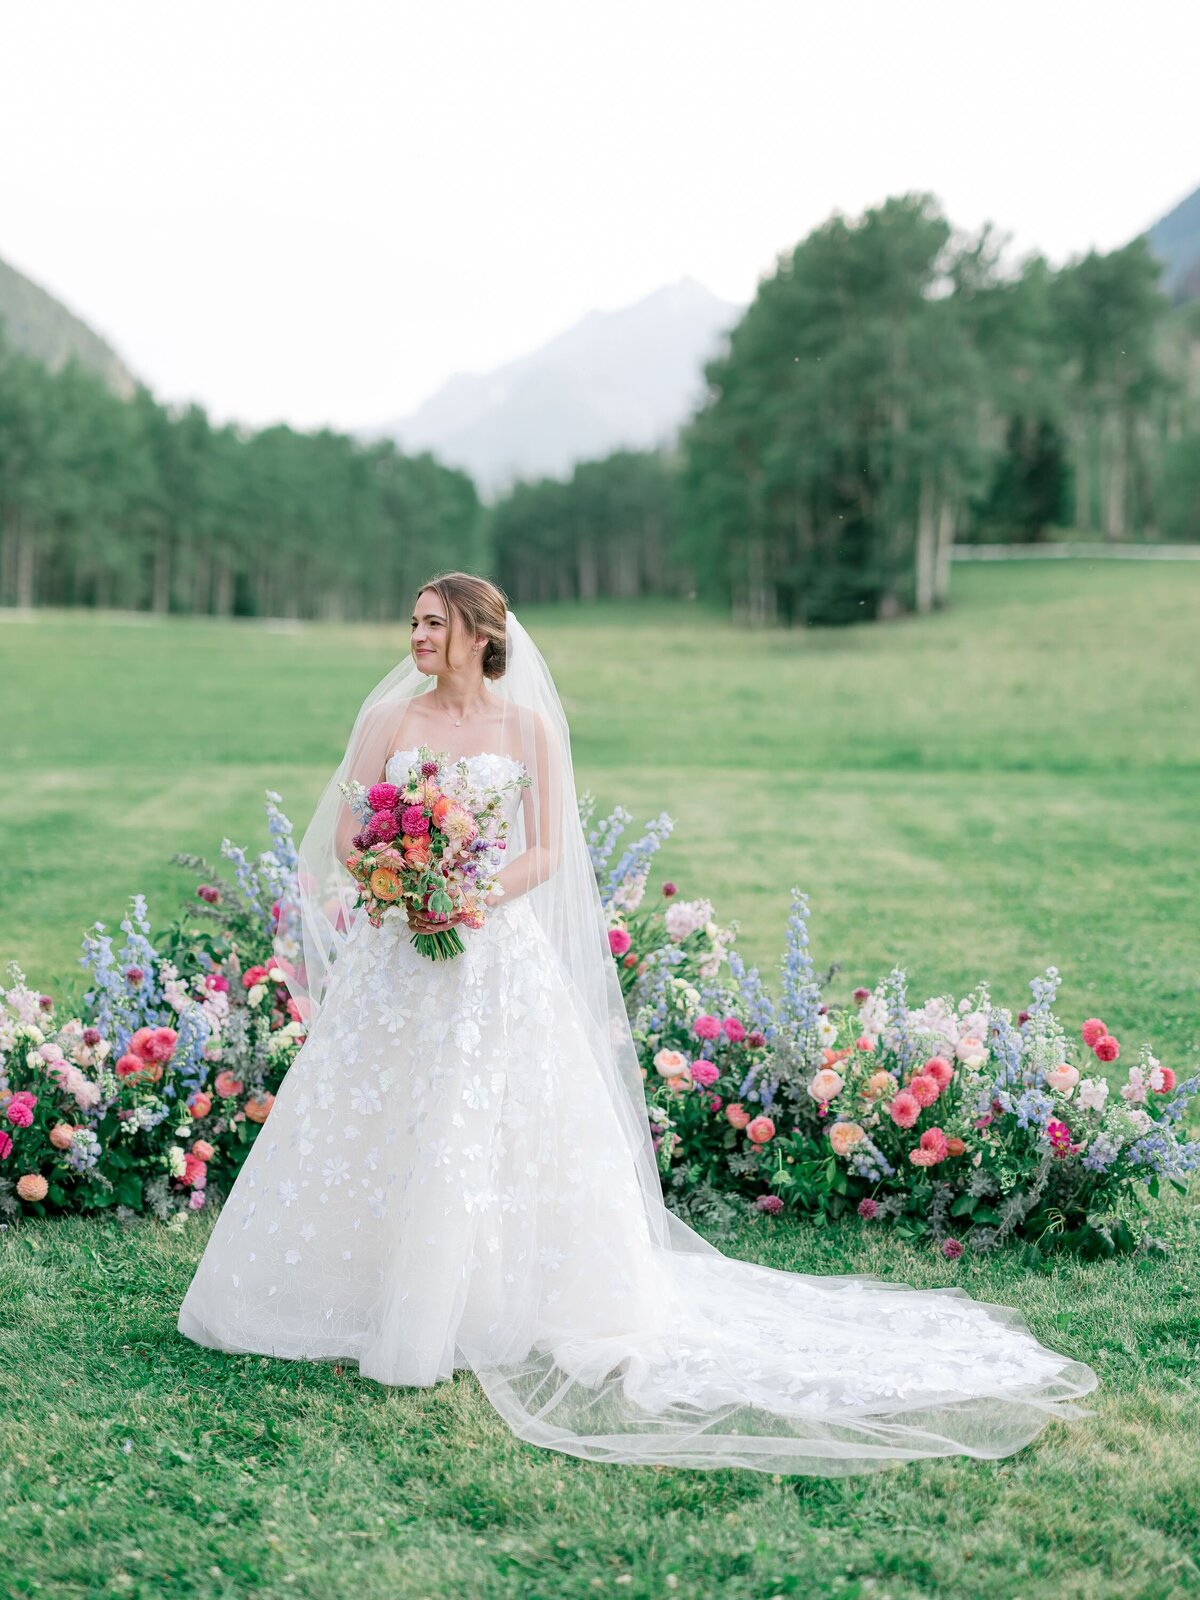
{"points": [[949, 1123]]}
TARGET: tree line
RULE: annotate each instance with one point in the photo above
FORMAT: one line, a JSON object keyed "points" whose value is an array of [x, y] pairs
{"points": [[894, 388]]}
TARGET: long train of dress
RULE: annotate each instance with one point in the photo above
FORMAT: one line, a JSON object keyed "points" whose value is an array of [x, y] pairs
{"points": [[443, 1184]]}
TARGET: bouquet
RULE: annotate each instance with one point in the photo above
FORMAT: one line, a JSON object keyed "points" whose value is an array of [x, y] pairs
{"points": [[433, 843]]}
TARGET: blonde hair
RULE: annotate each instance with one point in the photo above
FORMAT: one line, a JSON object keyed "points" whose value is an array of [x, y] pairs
{"points": [[482, 606]]}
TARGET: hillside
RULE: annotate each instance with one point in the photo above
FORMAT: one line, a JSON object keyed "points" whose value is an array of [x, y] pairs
{"points": [[38, 325]]}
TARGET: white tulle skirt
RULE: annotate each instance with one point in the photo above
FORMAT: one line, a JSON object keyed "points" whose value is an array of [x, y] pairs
{"points": [[442, 1183]]}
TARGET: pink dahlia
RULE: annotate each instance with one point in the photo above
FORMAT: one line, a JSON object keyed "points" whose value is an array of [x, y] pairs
{"points": [[939, 1069], [733, 1030], [413, 821], [383, 796], [705, 1073], [904, 1109], [618, 941], [383, 827], [707, 1027], [934, 1140], [925, 1089], [1107, 1048], [1092, 1030], [868, 1208], [952, 1249], [770, 1203]]}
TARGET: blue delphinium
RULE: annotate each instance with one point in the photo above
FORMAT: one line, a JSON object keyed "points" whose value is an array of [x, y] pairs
{"points": [[1035, 1108], [636, 858], [1044, 991], [120, 1004], [899, 1037], [1101, 1153], [602, 840], [801, 992]]}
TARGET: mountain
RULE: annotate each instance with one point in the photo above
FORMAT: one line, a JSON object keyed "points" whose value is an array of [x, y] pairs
{"points": [[1176, 241], [38, 325], [616, 379]]}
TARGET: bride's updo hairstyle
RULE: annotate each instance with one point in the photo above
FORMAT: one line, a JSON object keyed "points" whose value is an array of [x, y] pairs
{"points": [[482, 607]]}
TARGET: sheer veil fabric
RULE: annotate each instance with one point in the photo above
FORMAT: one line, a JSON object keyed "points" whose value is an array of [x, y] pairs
{"points": [[615, 1332]]}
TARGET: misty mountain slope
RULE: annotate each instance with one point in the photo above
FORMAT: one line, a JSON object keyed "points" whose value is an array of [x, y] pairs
{"points": [[615, 379], [38, 325], [1175, 240]]}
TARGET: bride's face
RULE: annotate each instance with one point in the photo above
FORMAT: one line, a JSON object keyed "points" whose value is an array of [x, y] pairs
{"points": [[428, 643]]}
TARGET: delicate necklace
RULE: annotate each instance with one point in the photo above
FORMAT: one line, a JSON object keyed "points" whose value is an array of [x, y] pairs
{"points": [[458, 721]]}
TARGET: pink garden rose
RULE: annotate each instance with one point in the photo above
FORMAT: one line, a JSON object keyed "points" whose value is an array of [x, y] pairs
{"points": [[737, 1116], [1063, 1077], [618, 941], [707, 1027], [734, 1031], [760, 1130], [705, 1073]]}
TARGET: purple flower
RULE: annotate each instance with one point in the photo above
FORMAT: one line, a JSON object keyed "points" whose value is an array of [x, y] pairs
{"points": [[952, 1249], [868, 1208], [770, 1203]]}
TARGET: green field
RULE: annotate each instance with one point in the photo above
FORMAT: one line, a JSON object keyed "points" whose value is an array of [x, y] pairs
{"points": [[978, 794]]}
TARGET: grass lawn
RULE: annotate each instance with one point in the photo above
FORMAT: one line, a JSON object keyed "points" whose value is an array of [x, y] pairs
{"points": [[979, 794]]}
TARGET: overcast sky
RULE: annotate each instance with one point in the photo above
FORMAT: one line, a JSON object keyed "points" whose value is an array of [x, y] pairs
{"points": [[317, 212]]}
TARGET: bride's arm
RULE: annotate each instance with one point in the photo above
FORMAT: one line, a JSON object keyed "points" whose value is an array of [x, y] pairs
{"points": [[542, 804]]}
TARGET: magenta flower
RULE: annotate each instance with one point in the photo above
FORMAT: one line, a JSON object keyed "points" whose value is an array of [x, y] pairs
{"points": [[705, 1073], [618, 941], [92, 1036], [868, 1208], [383, 827], [707, 1027], [734, 1031], [429, 769], [669, 889], [134, 974], [5, 1146], [413, 821], [383, 796], [952, 1249], [756, 1039], [770, 1203], [860, 995], [209, 893]]}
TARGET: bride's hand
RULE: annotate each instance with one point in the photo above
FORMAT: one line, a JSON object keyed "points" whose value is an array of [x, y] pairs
{"points": [[420, 923]]}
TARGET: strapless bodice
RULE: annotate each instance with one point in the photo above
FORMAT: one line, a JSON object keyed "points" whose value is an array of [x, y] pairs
{"points": [[486, 767]]}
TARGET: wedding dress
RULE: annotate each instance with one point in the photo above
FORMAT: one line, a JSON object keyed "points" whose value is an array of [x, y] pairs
{"points": [[449, 1179]]}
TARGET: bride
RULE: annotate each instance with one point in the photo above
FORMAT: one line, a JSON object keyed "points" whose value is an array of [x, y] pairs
{"points": [[458, 1168]]}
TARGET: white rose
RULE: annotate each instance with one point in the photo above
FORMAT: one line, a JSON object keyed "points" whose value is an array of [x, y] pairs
{"points": [[1093, 1092], [257, 991], [32, 1059]]}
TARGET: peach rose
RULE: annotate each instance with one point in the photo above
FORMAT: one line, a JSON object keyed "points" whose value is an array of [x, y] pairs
{"points": [[60, 1135], [258, 1107], [1064, 1077], [32, 1186], [737, 1116], [879, 1083], [843, 1136], [825, 1084], [671, 1063], [760, 1130]]}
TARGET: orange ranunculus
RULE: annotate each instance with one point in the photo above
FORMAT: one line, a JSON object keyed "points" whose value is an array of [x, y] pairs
{"points": [[201, 1104], [834, 1055], [385, 885], [258, 1107], [416, 850]]}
